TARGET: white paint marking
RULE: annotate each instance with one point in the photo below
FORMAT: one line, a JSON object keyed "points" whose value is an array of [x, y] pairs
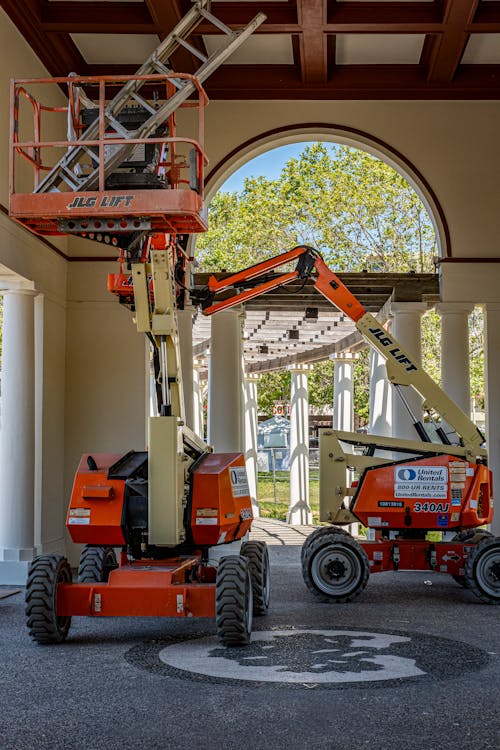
{"points": [[195, 656]]}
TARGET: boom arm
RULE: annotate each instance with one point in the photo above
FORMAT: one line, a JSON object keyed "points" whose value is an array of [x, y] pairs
{"points": [[401, 368]]}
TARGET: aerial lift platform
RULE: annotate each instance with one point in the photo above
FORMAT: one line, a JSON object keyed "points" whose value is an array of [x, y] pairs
{"points": [[402, 491], [125, 178]]}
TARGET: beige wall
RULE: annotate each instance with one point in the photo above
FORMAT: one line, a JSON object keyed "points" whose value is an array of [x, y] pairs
{"points": [[105, 380]]}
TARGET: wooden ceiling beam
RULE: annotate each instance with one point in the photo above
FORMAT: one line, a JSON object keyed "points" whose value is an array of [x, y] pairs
{"points": [[352, 82], [487, 18], [446, 49], [153, 16], [165, 15], [313, 42], [383, 17], [98, 18], [280, 17], [282, 82]]}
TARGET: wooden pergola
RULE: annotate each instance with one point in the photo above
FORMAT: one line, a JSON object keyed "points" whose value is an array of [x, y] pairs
{"points": [[296, 325]]}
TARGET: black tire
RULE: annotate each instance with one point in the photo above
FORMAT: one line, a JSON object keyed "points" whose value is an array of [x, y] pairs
{"points": [[257, 555], [44, 575], [473, 536], [233, 601], [321, 532], [96, 563], [335, 568], [482, 570]]}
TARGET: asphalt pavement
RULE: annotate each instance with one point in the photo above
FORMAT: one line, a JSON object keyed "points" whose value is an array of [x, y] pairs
{"points": [[413, 662]]}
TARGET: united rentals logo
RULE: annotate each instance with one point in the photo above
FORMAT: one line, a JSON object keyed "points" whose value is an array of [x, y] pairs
{"points": [[421, 482], [106, 201]]}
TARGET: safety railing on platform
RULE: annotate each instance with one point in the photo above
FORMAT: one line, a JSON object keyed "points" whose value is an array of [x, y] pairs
{"points": [[169, 162]]}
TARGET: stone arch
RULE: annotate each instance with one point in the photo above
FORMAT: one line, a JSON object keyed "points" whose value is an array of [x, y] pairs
{"points": [[335, 134]]}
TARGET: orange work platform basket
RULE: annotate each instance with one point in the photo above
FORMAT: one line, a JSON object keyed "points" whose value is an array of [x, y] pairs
{"points": [[108, 162]]}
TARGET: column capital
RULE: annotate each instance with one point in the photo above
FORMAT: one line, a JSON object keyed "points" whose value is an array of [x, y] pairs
{"points": [[454, 308], [408, 308], [349, 357], [18, 290], [299, 368], [252, 377], [237, 310]]}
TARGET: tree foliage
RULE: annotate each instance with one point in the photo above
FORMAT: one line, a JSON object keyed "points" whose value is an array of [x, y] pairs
{"points": [[361, 215], [355, 209], [476, 349]]}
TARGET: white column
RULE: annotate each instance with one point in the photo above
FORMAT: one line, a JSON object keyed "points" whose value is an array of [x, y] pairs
{"points": [[343, 402], [492, 373], [251, 438], [407, 332], [198, 424], [225, 383], [343, 391], [299, 511], [455, 366], [185, 326], [50, 380], [17, 438], [381, 393]]}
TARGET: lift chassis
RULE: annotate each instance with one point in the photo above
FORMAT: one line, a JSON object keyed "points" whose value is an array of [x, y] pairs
{"points": [[400, 490]]}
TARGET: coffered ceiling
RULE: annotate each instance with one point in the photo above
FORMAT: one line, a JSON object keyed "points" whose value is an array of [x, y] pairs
{"points": [[308, 49]]}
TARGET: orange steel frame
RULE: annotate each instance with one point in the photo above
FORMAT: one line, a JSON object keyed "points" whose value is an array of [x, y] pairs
{"points": [[145, 588], [415, 554], [174, 210]]}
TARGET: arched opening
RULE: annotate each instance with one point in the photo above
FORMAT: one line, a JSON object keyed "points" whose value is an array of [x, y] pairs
{"points": [[339, 135]]}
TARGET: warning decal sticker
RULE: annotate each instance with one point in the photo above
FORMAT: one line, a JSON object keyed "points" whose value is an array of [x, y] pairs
{"points": [[239, 481]]}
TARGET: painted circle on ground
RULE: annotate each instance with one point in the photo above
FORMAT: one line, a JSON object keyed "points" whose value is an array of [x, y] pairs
{"points": [[305, 657]]}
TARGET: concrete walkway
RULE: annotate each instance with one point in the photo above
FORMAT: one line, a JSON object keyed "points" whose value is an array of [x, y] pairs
{"points": [[272, 532], [413, 662]]}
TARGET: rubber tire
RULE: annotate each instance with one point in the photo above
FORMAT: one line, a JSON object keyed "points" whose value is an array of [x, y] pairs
{"points": [[96, 563], [257, 555], [469, 535], [320, 532], [353, 552], [233, 601], [44, 574], [488, 592]]}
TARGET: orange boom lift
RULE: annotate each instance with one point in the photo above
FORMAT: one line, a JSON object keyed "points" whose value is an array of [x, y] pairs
{"points": [[124, 177], [401, 490]]}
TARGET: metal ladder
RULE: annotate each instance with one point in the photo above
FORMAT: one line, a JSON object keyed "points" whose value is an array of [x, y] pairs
{"points": [[64, 171]]}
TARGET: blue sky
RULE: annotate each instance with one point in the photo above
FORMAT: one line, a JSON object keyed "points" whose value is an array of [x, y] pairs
{"points": [[268, 164]]}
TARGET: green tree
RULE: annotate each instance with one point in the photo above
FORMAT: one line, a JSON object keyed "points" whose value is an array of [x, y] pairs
{"points": [[476, 348], [431, 344], [273, 387]]}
